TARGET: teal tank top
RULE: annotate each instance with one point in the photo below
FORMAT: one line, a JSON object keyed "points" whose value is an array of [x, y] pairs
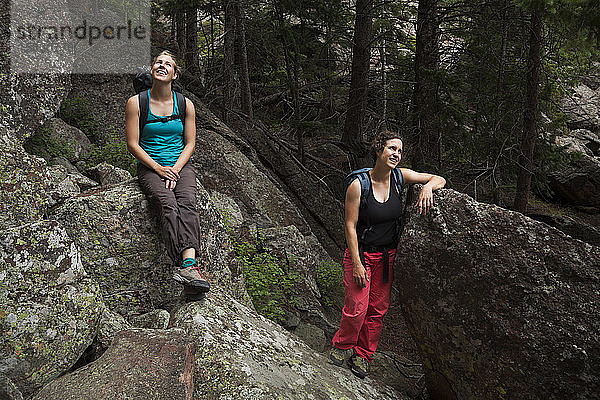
{"points": [[163, 141]]}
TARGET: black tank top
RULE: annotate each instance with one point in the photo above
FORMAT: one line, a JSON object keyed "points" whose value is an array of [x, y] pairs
{"points": [[377, 222]]}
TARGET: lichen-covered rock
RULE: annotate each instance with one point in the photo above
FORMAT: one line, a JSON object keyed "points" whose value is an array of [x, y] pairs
{"points": [[118, 234], [139, 365], [108, 174], [58, 139], [109, 325], [242, 355], [157, 319], [49, 307], [501, 306], [26, 100], [223, 168], [8, 390], [23, 187]]}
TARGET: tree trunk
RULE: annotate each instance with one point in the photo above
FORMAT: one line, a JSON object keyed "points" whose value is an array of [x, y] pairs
{"points": [[180, 31], [191, 38], [427, 141], [242, 60], [530, 113], [359, 80], [228, 59]]}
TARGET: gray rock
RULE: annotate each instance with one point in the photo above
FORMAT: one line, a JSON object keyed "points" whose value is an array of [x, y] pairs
{"points": [[304, 257], [572, 145], [49, 307], [316, 201], [588, 139], [582, 107], [108, 174], [314, 337], [501, 306], [242, 355], [61, 185], [58, 139], [579, 182], [157, 319], [109, 325], [8, 390], [23, 187], [575, 229], [140, 364]]}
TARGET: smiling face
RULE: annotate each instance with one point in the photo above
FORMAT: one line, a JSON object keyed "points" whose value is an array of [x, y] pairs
{"points": [[391, 153], [164, 68]]}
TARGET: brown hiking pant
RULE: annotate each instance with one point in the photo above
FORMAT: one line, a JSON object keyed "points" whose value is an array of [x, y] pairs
{"points": [[178, 216]]}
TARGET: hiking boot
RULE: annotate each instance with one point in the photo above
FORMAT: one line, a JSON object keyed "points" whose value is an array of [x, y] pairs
{"points": [[189, 275], [359, 366], [337, 356]]}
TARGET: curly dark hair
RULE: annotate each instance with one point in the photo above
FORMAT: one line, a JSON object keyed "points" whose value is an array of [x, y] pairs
{"points": [[378, 143]]}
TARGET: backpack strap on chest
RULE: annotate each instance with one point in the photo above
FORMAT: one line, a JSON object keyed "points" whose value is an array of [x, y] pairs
{"points": [[144, 105]]}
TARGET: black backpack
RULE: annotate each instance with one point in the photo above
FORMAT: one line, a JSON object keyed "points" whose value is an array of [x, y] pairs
{"points": [[141, 83], [363, 176]]}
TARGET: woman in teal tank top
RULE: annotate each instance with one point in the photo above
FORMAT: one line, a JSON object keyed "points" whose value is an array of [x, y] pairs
{"points": [[166, 175]]}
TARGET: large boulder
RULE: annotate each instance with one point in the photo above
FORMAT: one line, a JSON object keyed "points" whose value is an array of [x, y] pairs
{"points": [[58, 139], [119, 237], [501, 306], [49, 307], [579, 181], [242, 355], [140, 364], [27, 100]]}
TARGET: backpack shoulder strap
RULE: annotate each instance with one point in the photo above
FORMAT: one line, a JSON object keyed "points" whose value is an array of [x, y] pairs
{"points": [[363, 178], [144, 104], [181, 106], [398, 178]]}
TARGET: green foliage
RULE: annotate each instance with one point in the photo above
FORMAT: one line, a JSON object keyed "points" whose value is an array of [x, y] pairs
{"points": [[114, 153], [48, 146], [270, 279], [78, 112], [329, 282]]}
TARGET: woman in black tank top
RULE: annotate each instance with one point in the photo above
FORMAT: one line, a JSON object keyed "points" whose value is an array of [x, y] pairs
{"points": [[371, 236]]}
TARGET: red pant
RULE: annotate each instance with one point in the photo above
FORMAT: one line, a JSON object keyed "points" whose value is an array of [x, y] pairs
{"points": [[362, 315]]}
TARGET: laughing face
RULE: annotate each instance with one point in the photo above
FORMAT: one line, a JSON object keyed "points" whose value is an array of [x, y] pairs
{"points": [[392, 153], [164, 68]]}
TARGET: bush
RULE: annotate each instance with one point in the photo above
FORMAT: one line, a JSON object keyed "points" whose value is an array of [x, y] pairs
{"points": [[330, 282], [269, 279], [77, 112]]}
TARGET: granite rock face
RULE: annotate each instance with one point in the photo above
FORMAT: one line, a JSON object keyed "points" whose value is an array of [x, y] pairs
{"points": [[118, 234], [501, 306], [140, 364], [50, 307], [241, 355]]}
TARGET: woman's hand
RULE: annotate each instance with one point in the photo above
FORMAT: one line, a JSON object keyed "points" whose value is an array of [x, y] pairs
{"points": [[168, 173], [360, 275], [425, 199], [169, 184]]}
